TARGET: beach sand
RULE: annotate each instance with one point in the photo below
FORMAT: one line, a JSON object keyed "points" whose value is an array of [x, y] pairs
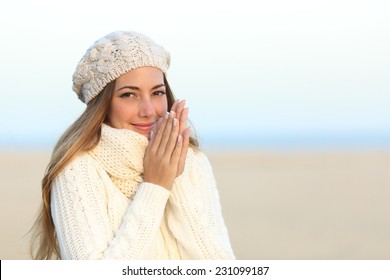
{"points": [[276, 205]]}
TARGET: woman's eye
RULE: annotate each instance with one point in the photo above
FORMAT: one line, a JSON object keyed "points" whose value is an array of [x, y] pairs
{"points": [[160, 92], [127, 94]]}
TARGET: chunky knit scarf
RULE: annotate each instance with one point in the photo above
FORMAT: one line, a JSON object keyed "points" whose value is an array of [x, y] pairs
{"points": [[121, 153]]}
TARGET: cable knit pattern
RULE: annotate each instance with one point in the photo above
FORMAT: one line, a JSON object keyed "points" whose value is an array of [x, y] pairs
{"points": [[102, 209]]}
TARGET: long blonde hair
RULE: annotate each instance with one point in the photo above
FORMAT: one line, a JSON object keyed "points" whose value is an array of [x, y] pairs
{"points": [[83, 135]]}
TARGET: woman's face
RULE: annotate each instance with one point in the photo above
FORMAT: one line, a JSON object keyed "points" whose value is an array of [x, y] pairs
{"points": [[139, 100]]}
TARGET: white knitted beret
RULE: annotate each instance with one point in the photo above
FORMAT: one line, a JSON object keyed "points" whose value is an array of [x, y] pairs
{"points": [[113, 55]]}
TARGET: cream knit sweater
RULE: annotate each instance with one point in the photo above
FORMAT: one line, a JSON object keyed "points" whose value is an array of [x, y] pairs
{"points": [[102, 209]]}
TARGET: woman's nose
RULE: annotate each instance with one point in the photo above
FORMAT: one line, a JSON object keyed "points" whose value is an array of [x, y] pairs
{"points": [[146, 108]]}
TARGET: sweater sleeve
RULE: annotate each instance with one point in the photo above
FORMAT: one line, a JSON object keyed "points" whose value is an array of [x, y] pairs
{"points": [[195, 214], [80, 214]]}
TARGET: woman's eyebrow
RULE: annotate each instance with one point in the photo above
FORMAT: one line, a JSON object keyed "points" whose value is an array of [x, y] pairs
{"points": [[137, 88]]}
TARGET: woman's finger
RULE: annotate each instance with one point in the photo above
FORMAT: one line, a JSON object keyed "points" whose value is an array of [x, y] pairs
{"points": [[174, 105], [155, 128], [157, 136], [179, 109], [183, 120], [172, 139], [177, 151], [183, 152], [166, 132]]}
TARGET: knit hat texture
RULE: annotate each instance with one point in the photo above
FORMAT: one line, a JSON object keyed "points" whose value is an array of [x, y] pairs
{"points": [[114, 55]]}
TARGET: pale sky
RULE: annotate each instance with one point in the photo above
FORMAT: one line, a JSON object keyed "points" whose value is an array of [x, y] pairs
{"points": [[249, 70]]}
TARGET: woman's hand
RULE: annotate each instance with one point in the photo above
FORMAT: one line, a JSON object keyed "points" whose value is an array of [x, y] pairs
{"points": [[165, 155]]}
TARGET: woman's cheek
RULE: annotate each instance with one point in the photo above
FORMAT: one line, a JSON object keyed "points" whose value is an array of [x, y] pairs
{"points": [[161, 106]]}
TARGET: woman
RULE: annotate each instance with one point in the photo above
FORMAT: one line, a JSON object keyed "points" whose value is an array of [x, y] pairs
{"points": [[126, 180]]}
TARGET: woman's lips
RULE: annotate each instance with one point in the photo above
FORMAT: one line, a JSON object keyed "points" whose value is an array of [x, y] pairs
{"points": [[143, 126]]}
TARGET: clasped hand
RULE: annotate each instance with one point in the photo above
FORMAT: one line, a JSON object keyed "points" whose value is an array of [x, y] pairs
{"points": [[167, 149]]}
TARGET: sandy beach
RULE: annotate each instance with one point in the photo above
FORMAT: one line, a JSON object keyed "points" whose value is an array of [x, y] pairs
{"points": [[277, 205]]}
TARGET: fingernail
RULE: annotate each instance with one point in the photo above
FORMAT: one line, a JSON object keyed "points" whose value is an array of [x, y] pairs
{"points": [[174, 122], [166, 115], [172, 114], [179, 138]]}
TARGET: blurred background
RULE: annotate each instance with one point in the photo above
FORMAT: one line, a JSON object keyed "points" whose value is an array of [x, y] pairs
{"points": [[290, 100]]}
